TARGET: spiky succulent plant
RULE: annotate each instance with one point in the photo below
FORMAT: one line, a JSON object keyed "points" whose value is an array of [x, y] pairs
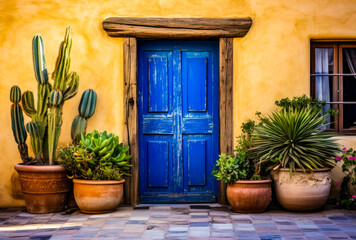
{"points": [[294, 139]]}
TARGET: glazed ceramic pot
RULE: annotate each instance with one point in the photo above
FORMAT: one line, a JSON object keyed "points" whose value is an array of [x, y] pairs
{"points": [[98, 196], [302, 191], [250, 196], [45, 188]]}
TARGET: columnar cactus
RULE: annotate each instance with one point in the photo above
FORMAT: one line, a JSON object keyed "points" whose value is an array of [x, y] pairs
{"points": [[36, 141], [39, 115], [86, 110], [44, 129], [65, 87], [17, 123]]}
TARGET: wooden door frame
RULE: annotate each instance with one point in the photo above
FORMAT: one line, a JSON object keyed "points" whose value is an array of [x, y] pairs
{"points": [[131, 29]]}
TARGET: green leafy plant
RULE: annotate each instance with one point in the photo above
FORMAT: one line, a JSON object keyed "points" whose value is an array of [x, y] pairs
{"points": [[238, 166], [99, 156], [345, 199], [304, 102], [45, 127], [294, 139]]}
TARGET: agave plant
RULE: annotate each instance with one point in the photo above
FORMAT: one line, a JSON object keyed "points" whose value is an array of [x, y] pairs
{"points": [[294, 139]]}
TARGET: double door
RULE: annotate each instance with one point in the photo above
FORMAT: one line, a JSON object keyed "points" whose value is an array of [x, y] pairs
{"points": [[178, 92]]}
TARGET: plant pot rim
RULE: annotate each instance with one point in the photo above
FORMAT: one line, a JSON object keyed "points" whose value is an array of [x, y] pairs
{"points": [[306, 170], [39, 168], [252, 181], [98, 182]]}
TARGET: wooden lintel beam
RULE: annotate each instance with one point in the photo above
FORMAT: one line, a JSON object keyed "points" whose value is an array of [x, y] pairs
{"points": [[176, 28]]}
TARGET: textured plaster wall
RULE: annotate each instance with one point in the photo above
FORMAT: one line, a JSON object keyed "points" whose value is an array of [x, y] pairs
{"points": [[271, 62]]}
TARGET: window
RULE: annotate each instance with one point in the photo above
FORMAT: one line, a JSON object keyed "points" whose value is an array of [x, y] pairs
{"points": [[333, 79]]}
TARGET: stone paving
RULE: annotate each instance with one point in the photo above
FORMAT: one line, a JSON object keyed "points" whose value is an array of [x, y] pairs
{"points": [[211, 221]]}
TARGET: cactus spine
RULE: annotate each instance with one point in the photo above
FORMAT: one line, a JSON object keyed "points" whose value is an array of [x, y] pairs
{"points": [[86, 110], [65, 87], [17, 124]]}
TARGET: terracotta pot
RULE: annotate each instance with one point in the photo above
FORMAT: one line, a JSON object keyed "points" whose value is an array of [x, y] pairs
{"points": [[303, 191], [250, 196], [98, 196], [45, 188]]}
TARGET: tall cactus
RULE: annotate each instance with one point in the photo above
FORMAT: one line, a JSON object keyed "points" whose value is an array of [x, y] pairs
{"points": [[17, 123], [39, 114], [86, 110], [44, 129], [65, 87]]}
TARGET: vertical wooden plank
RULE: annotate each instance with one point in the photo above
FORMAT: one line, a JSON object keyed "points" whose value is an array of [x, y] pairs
{"points": [[225, 103], [131, 117]]}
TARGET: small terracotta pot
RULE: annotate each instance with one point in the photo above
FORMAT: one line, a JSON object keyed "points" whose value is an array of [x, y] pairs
{"points": [[45, 188], [302, 191], [98, 196], [250, 196]]}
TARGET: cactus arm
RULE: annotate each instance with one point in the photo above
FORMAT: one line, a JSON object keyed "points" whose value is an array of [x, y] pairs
{"points": [[86, 110], [63, 62], [17, 124], [72, 86], [19, 132], [28, 104], [36, 142], [54, 122], [54, 130], [15, 94], [87, 103], [79, 126], [39, 61], [42, 104]]}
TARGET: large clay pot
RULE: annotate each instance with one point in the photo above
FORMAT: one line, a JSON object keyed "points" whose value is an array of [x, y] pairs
{"points": [[303, 191], [45, 188], [250, 196], [98, 196]]}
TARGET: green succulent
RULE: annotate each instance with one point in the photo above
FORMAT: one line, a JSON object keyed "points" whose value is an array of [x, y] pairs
{"points": [[294, 139], [99, 156]]}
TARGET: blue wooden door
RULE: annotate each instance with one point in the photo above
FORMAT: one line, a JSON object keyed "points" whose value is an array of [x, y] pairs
{"points": [[178, 89]]}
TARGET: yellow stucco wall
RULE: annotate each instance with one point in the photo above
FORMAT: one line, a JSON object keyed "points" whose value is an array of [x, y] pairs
{"points": [[271, 62]]}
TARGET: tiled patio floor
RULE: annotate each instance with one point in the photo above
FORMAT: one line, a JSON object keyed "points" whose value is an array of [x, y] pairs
{"points": [[178, 222]]}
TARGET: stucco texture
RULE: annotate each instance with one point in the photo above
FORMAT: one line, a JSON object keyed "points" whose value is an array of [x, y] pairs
{"points": [[270, 62]]}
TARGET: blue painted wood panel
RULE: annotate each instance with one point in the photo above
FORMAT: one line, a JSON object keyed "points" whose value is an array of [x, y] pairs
{"points": [[196, 74], [158, 163], [178, 95], [157, 83], [196, 162]]}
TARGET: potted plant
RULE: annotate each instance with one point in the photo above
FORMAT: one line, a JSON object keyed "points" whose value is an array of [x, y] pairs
{"points": [[300, 153], [43, 183], [246, 191], [97, 166], [347, 194]]}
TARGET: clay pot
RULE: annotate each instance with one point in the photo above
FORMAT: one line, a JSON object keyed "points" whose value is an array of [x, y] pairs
{"points": [[45, 188], [303, 191], [250, 196], [98, 196]]}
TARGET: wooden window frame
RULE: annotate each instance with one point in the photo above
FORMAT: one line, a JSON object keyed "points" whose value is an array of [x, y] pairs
{"points": [[176, 28], [337, 79]]}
